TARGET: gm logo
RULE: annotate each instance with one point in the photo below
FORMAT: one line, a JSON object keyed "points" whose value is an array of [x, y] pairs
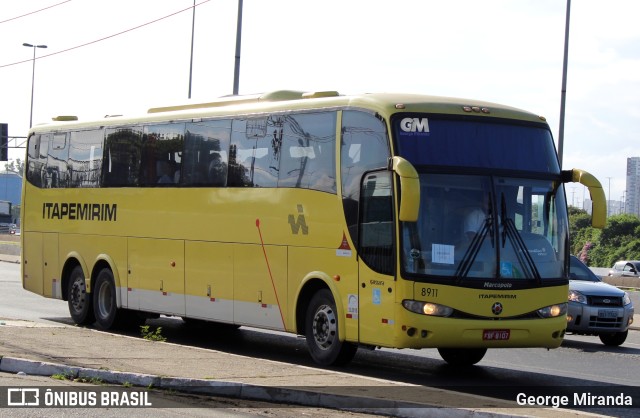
{"points": [[414, 125]]}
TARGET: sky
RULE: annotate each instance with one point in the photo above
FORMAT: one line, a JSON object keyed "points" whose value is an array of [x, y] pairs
{"points": [[107, 57]]}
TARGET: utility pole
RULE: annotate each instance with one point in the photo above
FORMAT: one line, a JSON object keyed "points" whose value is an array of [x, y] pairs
{"points": [[236, 72], [563, 96]]}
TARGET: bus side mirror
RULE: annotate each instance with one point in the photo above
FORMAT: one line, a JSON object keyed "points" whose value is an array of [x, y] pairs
{"points": [[599, 204], [409, 187]]}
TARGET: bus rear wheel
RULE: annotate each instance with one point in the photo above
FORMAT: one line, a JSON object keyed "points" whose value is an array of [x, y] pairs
{"points": [[79, 301], [462, 356], [321, 332], [105, 306]]}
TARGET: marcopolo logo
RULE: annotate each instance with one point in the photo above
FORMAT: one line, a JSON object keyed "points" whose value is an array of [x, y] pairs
{"points": [[414, 125]]}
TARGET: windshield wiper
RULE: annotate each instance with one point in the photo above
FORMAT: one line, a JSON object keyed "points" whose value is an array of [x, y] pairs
{"points": [[510, 231], [474, 248]]}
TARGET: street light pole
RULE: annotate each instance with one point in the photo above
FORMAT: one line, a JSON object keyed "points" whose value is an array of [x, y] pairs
{"points": [[193, 27], [236, 72], [563, 94], [33, 77]]}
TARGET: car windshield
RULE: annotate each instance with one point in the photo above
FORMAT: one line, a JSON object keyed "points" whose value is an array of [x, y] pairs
{"points": [[579, 271], [486, 227]]}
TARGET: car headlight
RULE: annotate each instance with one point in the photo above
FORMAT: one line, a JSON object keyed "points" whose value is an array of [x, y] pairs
{"points": [[553, 311], [575, 296], [427, 308], [626, 299]]}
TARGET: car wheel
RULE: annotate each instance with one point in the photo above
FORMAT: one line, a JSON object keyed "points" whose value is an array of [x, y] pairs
{"points": [[321, 332], [462, 357], [79, 301], [615, 339]]}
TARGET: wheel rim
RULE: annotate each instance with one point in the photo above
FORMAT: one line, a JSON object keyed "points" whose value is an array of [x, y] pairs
{"points": [[105, 301], [324, 327], [78, 296]]}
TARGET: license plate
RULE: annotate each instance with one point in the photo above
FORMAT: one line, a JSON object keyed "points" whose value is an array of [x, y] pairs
{"points": [[607, 313], [496, 334]]}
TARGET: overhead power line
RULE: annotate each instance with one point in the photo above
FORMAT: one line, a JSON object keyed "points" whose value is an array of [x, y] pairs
{"points": [[106, 37], [34, 12]]}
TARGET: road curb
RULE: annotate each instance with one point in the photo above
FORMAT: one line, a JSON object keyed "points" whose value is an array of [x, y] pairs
{"points": [[376, 406]]}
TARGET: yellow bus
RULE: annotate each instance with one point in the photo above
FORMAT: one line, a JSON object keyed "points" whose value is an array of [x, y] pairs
{"points": [[375, 220]]}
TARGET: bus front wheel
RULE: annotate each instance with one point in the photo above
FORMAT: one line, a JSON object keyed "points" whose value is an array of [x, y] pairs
{"points": [[321, 332], [78, 299], [105, 307], [462, 356]]}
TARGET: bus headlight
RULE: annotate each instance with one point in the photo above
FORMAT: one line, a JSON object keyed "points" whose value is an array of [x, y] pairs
{"points": [[427, 308], [553, 311]]}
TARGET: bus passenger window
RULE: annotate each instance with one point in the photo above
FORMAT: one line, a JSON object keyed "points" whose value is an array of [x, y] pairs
{"points": [[253, 160], [307, 144], [161, 148], [85, 158], [121, 164], [57, 170], [205, 159]]}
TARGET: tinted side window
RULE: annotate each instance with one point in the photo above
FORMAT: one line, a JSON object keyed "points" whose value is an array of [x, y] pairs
{"points": [[85, 158], [364, 147], [57, 171], [376, 235], [253, 156], [121, 164], [307, 145], [206, 160], [37, 159], [161, 159]]}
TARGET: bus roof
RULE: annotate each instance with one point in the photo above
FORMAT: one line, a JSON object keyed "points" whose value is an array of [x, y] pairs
{"points": [[385, 104]]}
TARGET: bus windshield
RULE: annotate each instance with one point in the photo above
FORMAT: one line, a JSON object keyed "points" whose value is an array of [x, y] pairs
{"points": [[487, 227], [491, 202]]}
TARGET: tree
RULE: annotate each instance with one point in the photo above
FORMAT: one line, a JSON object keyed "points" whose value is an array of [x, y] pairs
{"points": [[16, 166], [619, 240]]}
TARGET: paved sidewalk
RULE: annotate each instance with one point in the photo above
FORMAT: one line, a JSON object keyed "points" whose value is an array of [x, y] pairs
{"points": [[46, 350]]}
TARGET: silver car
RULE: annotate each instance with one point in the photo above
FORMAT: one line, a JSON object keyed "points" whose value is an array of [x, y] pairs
{"points": [[625, 268], [597, 308]]}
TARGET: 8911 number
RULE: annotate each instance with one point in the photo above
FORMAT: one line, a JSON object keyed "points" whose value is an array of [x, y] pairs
{"points": [[430, 292]]}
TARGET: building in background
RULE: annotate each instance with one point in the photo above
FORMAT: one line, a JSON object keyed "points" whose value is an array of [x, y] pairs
{"points": [[632, 201], [11, 190]]}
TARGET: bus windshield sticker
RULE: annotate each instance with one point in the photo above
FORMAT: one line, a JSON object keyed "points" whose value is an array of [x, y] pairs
{"points": [[442, 253]]}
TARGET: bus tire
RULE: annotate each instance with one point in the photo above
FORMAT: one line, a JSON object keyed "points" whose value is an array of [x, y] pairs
{"points": [[105, 306], [321, 332], [79, 301], [615, 339], [462, 356]]}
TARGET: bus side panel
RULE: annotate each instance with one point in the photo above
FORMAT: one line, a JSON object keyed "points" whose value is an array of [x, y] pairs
{"points": [[256, 302], [91, 248], [377, 307], [209, 281], [156, 275], [32, 264], [51, 270], [340, 268]]}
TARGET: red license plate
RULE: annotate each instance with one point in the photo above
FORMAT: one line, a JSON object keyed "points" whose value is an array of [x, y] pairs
{"points": [[496, 334]]}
